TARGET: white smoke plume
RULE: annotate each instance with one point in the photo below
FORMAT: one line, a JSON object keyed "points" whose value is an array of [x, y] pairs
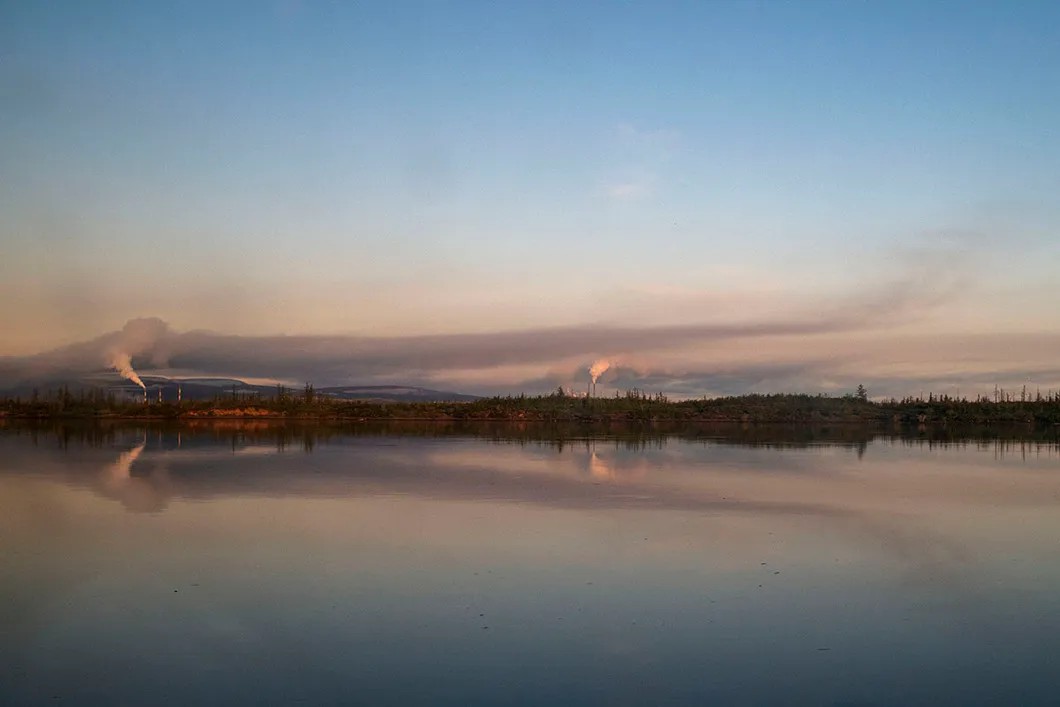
{"points": [[138, 336], [598, 368], [122, 363]]}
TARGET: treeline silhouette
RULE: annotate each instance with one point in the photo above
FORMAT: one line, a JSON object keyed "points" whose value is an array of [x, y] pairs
{"points": [[1003, 407]]}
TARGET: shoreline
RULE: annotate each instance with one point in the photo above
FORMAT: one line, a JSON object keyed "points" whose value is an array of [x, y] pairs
{"points": [[586, 420], [634, 408]]}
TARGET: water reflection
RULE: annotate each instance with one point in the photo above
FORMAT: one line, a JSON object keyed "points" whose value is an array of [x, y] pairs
{"points": [[735, 468], [284, 435], [439, 564], [600, 469], [135, 493]]}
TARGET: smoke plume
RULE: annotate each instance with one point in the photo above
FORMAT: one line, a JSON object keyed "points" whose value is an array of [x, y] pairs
{"points": [[122, 363], [829, 344], [598, 368]]}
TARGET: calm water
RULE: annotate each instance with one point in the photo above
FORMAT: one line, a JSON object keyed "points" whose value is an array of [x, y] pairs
{"points": [[261, 565]]}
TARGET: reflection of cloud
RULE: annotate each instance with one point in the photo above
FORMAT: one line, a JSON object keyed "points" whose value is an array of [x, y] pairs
{"points": [[677, 476], [369, 467], [670, 475]]}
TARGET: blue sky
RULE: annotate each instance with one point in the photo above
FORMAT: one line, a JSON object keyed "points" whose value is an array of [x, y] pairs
{"points": [[394, 169]]}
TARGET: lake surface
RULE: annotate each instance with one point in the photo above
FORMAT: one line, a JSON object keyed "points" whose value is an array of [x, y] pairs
{"points": [[262, 564]]}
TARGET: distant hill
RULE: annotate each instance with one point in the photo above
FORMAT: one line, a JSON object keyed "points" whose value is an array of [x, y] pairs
{"points": [[394, 392], [203, 388]]}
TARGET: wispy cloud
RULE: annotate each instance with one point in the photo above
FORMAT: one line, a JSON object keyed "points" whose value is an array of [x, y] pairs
{"points": [[724, 348], [712, 342], [633, 189], [638, 156], [656, 143], [834, 352]]}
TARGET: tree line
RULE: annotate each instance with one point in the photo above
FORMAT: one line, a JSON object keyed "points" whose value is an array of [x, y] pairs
{"points": [[1021, 407]]}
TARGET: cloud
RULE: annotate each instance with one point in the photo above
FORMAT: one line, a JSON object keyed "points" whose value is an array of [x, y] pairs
{"points": [[791, 342], [638, 155], [656, 143], [629, 191], [339, 359], [151, 343]]}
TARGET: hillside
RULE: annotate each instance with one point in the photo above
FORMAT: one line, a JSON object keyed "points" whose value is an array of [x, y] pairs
{"points": [[205, 388]]}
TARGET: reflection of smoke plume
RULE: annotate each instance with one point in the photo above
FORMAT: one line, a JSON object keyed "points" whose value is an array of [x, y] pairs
{"points": [[122, 363], [141, 494], [120, 470], [598, 367], [600, 469]]}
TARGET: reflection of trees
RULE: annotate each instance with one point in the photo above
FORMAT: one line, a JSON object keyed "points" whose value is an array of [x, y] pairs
{"points": [[285, 435]]}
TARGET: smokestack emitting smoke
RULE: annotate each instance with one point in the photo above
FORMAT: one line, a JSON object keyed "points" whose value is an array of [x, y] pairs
{"points": [[122, 363], [597, 369]]}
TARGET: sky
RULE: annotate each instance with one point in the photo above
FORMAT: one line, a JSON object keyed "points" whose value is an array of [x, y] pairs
{"points": [[716, 197]]}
